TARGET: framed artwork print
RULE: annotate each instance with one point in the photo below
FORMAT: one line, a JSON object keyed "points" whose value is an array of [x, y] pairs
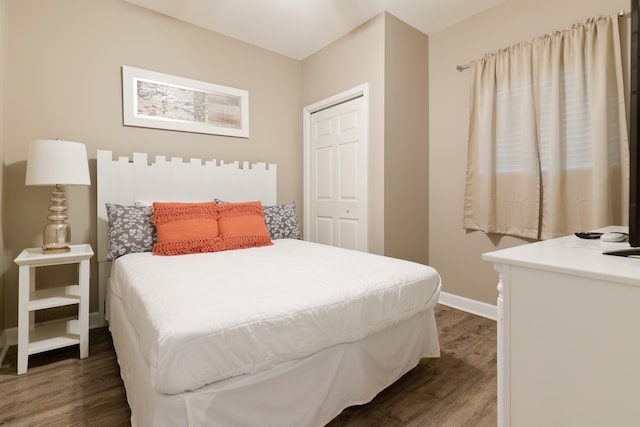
{"points": [[163, 101]]}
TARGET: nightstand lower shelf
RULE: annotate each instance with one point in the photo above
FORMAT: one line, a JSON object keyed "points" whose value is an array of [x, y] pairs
{"points": [[52, 336]]}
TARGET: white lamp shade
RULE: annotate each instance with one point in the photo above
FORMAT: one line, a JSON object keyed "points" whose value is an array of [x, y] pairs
{"points": [[52, 162]]}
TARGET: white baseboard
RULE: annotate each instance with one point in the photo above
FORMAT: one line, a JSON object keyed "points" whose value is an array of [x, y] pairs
{"points": [[469, 305], [4, 346]]}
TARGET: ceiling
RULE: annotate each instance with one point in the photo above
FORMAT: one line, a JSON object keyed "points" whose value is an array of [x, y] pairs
{"points": [[299, 28]]}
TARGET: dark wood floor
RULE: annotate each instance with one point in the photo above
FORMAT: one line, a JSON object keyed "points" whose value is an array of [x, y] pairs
{"points": [[458, 389]]}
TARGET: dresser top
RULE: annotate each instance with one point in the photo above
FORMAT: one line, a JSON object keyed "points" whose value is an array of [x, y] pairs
{"points": [[573, 255]]}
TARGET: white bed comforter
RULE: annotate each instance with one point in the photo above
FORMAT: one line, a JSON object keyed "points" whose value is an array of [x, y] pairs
{"points": [[206, 317]]}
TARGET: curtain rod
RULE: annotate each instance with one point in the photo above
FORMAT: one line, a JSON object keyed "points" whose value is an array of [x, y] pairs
{"points": [[621, 13]]}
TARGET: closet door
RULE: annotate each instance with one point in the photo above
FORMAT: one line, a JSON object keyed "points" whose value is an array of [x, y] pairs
{"points": [[337, 176]]}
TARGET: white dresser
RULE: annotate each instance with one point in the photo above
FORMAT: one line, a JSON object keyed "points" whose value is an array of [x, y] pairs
{"points": [[568, 334]]}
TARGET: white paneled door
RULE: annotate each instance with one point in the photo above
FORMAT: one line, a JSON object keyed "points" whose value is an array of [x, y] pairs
{"points": [[337, 176]]}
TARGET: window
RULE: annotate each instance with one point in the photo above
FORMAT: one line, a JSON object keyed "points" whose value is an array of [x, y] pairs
{"points": [[548, 138]]}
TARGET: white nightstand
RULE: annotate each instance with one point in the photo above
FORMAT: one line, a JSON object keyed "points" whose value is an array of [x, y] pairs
{"points": [[32, 340]]}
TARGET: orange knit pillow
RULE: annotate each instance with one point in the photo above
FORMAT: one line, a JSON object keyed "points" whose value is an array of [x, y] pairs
{"points": [[186, 228], [241, 225]]}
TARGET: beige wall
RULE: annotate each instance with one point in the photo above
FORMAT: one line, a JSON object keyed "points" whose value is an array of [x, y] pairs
{"points": [[62, 68], [406, 148], [3, 138], [392, 57], [455, 253], [64, 79], [352, 60]]}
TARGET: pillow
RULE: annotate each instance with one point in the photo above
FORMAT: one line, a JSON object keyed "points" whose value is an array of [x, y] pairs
{"points": [[281, 220], [130, 230], [241, 225], [186, 228]]}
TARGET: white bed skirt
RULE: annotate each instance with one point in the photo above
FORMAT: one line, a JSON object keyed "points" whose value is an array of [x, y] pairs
{"points": [[306, 392]]}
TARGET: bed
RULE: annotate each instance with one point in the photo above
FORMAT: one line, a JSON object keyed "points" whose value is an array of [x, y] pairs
{"points": [[284, 333]]}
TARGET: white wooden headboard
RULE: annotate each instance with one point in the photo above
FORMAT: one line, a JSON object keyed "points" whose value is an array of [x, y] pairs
{"points": [[125, 181]]}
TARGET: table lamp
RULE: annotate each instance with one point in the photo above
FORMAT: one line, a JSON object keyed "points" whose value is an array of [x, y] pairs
{"points": [[57, 163]]}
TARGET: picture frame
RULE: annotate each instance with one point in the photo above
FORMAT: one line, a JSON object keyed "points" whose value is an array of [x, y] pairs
{"points": [[162, 101]]}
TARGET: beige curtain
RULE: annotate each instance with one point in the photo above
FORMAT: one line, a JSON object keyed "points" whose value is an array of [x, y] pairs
{"points": [[548, 149]]}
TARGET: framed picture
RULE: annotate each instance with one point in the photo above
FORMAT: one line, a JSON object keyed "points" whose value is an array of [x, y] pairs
{"points": [[163, 101]]}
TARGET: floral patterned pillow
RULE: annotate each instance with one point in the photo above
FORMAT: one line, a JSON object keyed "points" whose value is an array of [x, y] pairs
{"points": [[281, 220], [130, 230]]}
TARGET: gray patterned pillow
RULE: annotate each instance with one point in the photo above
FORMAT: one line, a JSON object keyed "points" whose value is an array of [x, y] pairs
{"points": [[281, 220], [130, 230]]}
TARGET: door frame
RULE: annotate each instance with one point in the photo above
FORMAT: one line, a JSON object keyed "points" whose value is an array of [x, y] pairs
{"points": [[349, 94]]}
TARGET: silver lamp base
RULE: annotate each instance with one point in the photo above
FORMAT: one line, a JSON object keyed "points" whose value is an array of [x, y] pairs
{"points": [[56, 236]]}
